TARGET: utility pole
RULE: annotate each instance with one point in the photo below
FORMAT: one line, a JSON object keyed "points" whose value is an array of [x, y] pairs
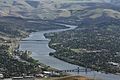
{"points": [[86, 70], [78, 70], [71, 12]]}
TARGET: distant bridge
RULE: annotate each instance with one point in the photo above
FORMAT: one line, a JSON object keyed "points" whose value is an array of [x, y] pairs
{"points": [[33, 40], [78, 70]]}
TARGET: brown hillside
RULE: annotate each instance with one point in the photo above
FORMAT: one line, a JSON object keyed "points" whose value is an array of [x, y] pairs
{"points": [[74, 78]]}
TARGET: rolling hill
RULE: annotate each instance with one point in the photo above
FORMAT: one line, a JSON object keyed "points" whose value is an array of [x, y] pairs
{"points": [[90, 13], [52, 9]]}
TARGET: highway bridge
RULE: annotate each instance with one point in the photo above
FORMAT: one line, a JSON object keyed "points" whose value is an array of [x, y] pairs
{"points": [[33, 40], [78, 70]]}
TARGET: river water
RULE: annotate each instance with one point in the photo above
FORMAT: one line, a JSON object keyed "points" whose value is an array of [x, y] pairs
{"points": [[40, 51]]}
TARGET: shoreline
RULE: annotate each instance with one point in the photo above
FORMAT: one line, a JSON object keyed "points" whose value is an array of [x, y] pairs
{"points": [[55, 50], [18, 40], [14, 52], [64, 74], [89, 74], [71, 62]]}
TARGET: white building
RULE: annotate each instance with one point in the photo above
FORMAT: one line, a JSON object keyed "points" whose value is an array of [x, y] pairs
{"points": [[24, 78], [1, 76]]}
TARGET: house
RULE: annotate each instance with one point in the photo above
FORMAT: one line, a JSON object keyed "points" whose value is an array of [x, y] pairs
{"points": [[1, 76], [114, 64], [17, 78], [29, 78], [39, 75]]}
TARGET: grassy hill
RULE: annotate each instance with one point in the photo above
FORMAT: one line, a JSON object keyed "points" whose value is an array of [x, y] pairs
{"points": [[48, 9], [90, 12]]}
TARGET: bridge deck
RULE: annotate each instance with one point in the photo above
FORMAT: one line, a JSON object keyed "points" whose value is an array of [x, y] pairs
{"points": [[34, 40]]}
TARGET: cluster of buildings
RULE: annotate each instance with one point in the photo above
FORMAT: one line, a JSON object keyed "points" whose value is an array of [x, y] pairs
{"points": [[45, 74]]}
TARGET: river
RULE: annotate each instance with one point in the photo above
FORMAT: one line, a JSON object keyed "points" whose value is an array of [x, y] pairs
{"points": [[40, 51]]}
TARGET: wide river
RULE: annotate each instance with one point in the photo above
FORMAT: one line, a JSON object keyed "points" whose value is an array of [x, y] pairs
{"points": [[40, 51]]}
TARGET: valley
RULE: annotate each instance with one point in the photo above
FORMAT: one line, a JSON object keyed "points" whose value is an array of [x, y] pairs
{"points": [[49, 35]]}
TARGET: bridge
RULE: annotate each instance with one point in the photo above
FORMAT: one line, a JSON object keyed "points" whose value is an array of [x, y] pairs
{"points": [[78, 70], [33, 40]]}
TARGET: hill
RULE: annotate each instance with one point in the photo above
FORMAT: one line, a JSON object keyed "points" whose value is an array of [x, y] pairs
{"points": [[90, 12], [44, 9]]}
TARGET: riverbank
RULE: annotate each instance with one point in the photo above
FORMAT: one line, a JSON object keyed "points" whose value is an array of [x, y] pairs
{"points": [[62, 78], [41, 52], [15, 62], [75, 47]]}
